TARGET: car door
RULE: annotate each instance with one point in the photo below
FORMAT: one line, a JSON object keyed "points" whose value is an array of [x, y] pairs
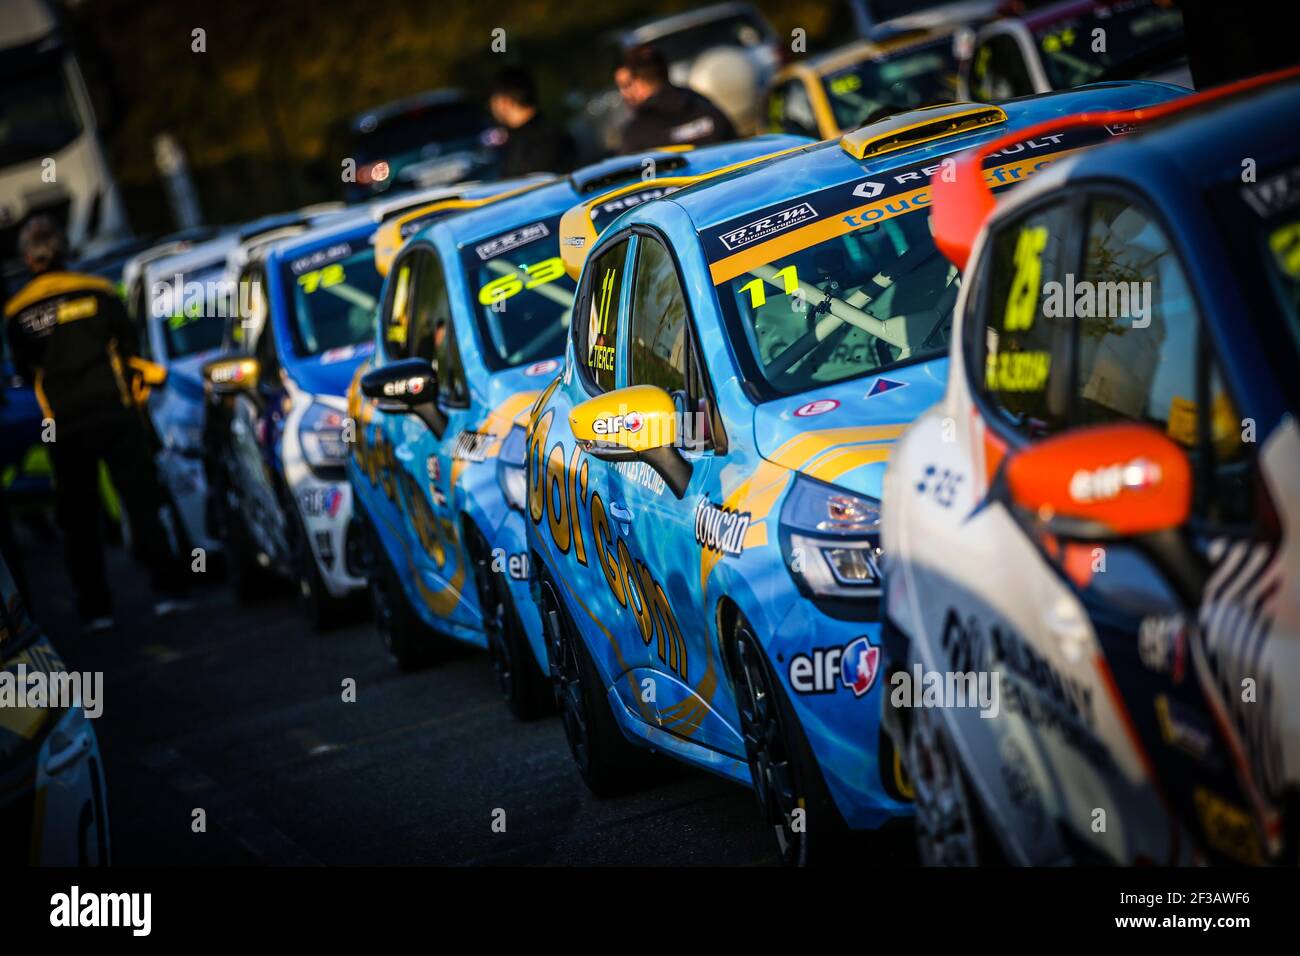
{"points": [[254, 429], [572, 495], [1178, 630], [663, 531], [438, 461], [991, 601]]}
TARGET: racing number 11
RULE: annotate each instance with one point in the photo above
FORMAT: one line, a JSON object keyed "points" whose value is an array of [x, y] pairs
{"points": [[758, 291]]}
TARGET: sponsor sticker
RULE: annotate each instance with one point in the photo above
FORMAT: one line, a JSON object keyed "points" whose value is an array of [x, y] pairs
{"points": [[511, 240], [819, 407], [544, 367], [720, 529], [824, 670], [768, 226], [882, 385]]}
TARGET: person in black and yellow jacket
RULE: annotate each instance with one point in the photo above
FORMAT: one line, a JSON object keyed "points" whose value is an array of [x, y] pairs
{"points": [[72, 341]]}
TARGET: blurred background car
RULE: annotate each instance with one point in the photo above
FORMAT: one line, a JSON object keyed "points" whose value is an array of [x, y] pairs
{"points": [[878, 19], [433, 138], [727, 52], [827, 95], [1057, 46]]}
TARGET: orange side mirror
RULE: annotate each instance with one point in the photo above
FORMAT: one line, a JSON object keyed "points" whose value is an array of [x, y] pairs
{"points": [[1104, 481]]}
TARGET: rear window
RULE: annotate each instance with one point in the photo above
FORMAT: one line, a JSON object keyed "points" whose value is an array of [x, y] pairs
{"points": [[741, 30], [921, 75], [1140, 37], [416, 128]]}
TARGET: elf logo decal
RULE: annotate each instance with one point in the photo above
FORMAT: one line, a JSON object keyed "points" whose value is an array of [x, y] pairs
{"points": [[720, 529], [823, 671], [470, 446], [768, 226], [631, 422], [1106, 483]]}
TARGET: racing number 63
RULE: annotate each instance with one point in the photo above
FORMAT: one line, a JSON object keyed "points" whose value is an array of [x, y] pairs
{"points": [[539, 273]]}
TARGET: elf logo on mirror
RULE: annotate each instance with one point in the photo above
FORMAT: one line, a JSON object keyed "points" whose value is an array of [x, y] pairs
{"points": [[827, 668], [631, 422]]}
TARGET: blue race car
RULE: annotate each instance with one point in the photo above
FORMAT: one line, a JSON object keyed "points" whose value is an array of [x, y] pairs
{"points": [[483, 297], [310, 311], [704, 479]]}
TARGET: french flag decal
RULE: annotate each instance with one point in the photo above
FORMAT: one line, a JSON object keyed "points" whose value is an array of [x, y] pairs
{"points": [[882, 385]]}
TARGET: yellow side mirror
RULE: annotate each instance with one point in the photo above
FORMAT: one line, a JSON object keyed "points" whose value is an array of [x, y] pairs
{"points": [[227, 376], [626, 422]]}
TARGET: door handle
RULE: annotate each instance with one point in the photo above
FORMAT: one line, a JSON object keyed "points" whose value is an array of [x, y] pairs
{"points": [[620, 513]]}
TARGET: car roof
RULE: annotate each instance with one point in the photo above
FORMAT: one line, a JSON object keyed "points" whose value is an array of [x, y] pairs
{"points": [[648, 31], [826, 164], [554, 199], [384, 112], [856, 52], [358, 221], [199, 257], [1207, 145]]}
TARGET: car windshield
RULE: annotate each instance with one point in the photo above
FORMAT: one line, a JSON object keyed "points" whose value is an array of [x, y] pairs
{"points": [[523, 297], [37, 113], [333, 292], [1282, 241], [871, 88], [846, 306], [1139, 37], [196, 324], [415, 129]]}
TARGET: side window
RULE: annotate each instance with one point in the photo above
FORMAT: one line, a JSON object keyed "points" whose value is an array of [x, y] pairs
{"points": [[453, 388], [660, 346], [1022, 356], [597, 336], [999, 70], [264, 352], [791, 110], [431, 308], [397, 309], [1141, 358], [244, 328], [1137, 326]]}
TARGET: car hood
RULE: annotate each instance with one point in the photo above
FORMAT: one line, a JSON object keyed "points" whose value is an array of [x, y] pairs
{"points": [[330, 373], [842, 434], [511, 392]]}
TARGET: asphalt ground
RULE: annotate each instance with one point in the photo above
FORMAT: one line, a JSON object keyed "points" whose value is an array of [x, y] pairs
{"points": [[238, 711]]}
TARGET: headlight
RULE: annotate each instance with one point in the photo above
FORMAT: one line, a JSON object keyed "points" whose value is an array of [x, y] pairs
{"points": [[511, 471], [321, 435], [831, 540]]}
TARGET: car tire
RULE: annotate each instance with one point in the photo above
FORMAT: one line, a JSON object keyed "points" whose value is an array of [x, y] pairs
{"points": [[951, 829], [322, 609], [609, 763], [406, 638], [526, 690], [784, 772], [249, 579]]}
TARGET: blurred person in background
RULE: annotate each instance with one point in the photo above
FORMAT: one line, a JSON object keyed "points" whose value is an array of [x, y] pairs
{"points": [[71, 339], [663, 114], [532, 145]]}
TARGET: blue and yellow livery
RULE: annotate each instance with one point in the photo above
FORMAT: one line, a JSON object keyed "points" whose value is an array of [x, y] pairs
{"points": [[472, 322], [704, 479]]}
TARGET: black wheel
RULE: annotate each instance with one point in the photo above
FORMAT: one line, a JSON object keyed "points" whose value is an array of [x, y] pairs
{"points": [[522, 683], [950, 827], [405, 637], [322, 609], [609, 763], [248, 577], [792, 795]]}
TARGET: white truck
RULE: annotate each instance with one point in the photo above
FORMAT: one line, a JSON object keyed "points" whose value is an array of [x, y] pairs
{"points": [[51, 159]]}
